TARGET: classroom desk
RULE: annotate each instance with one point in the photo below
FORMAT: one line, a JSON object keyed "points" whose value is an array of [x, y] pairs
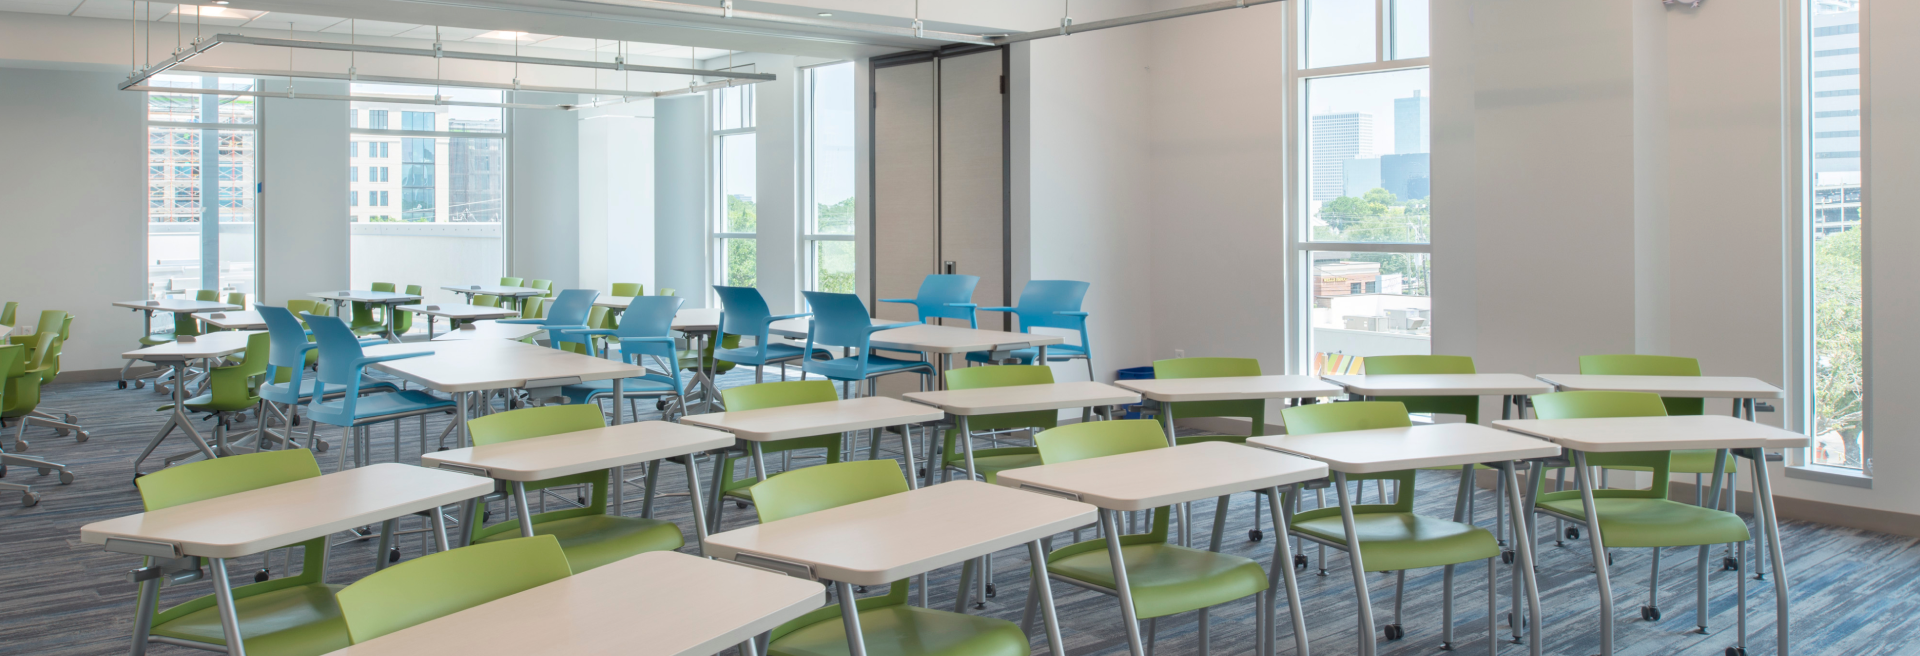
{"points": [[960, 404], [540, 458], [147, 308], [457, 312], [1144, 480], [942, 342], [1418, 447], [494, 290], [1746, 439], [481, 365], [251, 522], [490, 330], [388, 299], [176, 354], [906, 534], [1744, 391], [660, 603], [699, 324], [243, 320], [1512, 388]]}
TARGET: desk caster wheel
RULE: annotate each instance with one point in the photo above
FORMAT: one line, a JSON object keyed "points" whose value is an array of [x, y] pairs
{"points": [[1446, 646], [29, 500], [992, 591], [660, 405], [1650, 613], [1518, 625], [1255, 535], [1573, 533], [393, 555], [1394, 632], [1609, 559], [296, 420], [922, 472], [66, 478], [1736, 651], [1300, 561], [1729, 564], [123, 384], [1506, 557], [260, 576]]}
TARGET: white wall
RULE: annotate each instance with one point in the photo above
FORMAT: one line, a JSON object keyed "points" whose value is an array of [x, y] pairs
{"points": [[544, 174], [303, 212], [616, 196]]}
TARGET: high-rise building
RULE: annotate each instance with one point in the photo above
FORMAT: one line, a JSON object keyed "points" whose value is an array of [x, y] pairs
{"points": [[474, 193], [1836, 94], [1361, 175], [1333, 139], [1410, 125], [1407, 177]]}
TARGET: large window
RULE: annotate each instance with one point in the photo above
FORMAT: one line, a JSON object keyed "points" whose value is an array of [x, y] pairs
{"points": [[735, 221], [434, 180], [200, 187], [1835, 228], [1363, 170], [828, 228]]}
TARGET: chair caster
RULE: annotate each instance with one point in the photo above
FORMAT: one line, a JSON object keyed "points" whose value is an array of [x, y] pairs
{"points": [[486, 516], [582, 499], [1300, 561], [61, 432], [1650, 613], [741, 505], [1506, 557], [139, 384], [44, 471], [660, 405], [393, 554], [1446, 646], [66, 478], [1255, 535], [1394, 632], [922, 473], [992, 591], [260, 576], [860, 589], [123, 384], [82, 437], [1729, 564], [321, 447], [1609, 559], [296, 420], [1736, 651], [29, 499], [1573, 533], [1518, 625], [979, 605]]}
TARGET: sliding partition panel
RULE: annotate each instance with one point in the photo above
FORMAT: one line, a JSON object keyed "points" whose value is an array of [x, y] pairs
{"points": [[905, 184], [973, 193]]}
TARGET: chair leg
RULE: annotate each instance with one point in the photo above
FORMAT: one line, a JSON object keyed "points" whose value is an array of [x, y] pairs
{"points": [[1153, 631], [1652, 612], [1493, 609], [1206, 642]]}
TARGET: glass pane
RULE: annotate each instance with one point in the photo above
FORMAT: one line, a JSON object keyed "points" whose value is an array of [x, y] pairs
{"points": [[1409, 29], [188, 107], [739, 262], [833, 267], [733, 107], [832, 141], [737, 183], [1367, 144], [1367, 304], [1339, 32], [1839, 384], [236, 185]]}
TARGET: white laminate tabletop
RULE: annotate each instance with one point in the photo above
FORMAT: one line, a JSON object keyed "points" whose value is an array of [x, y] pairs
{"points": [[1231, 388], [661, 603], [566, 454], [687, 319], [1613, 434], [1440, 384], [1698, 387], [1023, 398], [807, 419], [272, 517], [246, 320], [1415, 447], [496, 290], [210, 345], [366, 296], [1161, 477], [460, 311], [177, 305], [932, 339], [879, 541], [490, 330], [485, 364]]}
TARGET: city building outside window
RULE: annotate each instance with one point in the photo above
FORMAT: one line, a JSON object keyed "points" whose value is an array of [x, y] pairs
{"points": [[200, 186], [1836, 226]]}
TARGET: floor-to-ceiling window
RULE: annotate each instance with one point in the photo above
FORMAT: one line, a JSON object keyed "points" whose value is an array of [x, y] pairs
{"points": [[1835, 229], [735, 220], [426, 188], [1362, 180], [827, 236], [200, 186]]}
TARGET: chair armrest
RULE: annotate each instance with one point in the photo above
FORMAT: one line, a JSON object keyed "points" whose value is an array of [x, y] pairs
{"points": [[593, 331], [997, 309], [22, 339], [538, 321], [891, 326], [1082, 315], [650, 340], [785, 317], [372, 341], [896, 300], [386, 358], [965, 305]]}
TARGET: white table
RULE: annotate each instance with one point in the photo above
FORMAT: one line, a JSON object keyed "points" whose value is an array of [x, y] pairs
{"points": [[907, 534], [1741, 389], [481, 365], [176, 354], [659, 603], [389, 299], [255, 521], [147, 308], [457, 312], [1416, 447], [540, 458], [1144, 480], [243, 320], [941, 342], [961, 404], [1746, 439], [491, 330], [495, 290], [1513, 388]]}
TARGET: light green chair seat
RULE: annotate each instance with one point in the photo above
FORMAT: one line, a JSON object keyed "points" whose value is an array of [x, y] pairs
{"points": [[1166, 578], [594, 540], [1392, 541], [903, 630], [990, 462], [1652, 522], [298, 620], [1689, 461], [157, 339]]}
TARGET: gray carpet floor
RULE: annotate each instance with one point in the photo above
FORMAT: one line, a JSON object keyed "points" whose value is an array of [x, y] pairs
{"points": [[1854, 592]]}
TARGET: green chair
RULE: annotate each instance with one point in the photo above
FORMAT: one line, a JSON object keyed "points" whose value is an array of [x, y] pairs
{"points": [[290, 616], [1465, 406], [1254, 410], [990, 462], [1392, 537], [365, 320], [589, 535], [665, 291], [597, 318], [237, 298], [18, 382], [403, 322], [1686, 461], [629, 289], [299, 307], [542, 285], [888, 624], [33, 369], [1630, 518], [770, 395], [1163, 578], [441, 584], [230, 390], [7, 311], [509, 281], [60, 323]]}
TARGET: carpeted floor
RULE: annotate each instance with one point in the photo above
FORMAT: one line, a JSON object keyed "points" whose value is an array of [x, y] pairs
{"points": [[1854, 592]]}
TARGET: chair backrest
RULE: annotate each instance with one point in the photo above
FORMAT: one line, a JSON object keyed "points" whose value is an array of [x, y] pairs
{"points": [[1099, 438], [10, 359], [1043, 298], [1001, 376], [7, 312], [206, 295], [288, 350], [24, 377], [572, 307], [206, 479], [1465, 406], [939, 290], [778, 394], [665, 291], [340, 354], [838, 320], [1254, 410], [1647, 365], [534, 422], [544, 285], [299, 306], [49, 322], [743, 311], [813, 489], [237, 298], [629, 289], [383, 287], [649, 316], [509, 281], [1598, 404], [1339, 417], [444, 583]]}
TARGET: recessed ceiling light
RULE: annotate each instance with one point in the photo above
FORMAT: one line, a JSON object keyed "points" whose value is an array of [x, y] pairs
{"points": [[221, 2], [826, 13], [210, 11]]}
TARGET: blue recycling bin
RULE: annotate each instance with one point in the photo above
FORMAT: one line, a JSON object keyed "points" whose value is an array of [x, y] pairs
{"points": [[1134, 373]]}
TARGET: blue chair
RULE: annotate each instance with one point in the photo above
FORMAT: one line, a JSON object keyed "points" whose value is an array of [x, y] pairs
{"points": [[744, 312], [1050, 304], [944, 296], [646, 328], [570, 310], [343, 365], [286, 380], [842, 320]]}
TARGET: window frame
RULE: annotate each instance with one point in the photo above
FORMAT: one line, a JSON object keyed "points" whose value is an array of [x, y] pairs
{"points": [[717, 234], [210, 129], [810, 206]]}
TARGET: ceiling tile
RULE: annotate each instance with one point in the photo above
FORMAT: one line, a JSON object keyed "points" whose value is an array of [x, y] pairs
{"points": [[119, 9], [61, 7], [301, 22], [367, 27], [567, 43], [446, 33]]}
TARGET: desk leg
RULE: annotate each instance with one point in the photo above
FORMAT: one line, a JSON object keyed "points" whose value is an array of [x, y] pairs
{"points": [[1523, 545], [1771, 524], [429, 327], [1283, 565], [759, 462], [223, 600], [693, 495], [520, 508], [850, 618], [1700, 568], [966, 444], [1367, 637], [1040, 356], [439, 518], [177, 419], [393, 334], [1183, 511], [1056, 646], [906, 448], [1599, 547], [1461, 512], [461, 401], [619, 496], [1110, 525]]}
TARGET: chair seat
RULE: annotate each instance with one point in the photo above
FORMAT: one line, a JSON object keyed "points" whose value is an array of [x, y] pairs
{"points": [[1394, 541], [584, 392], [370, 329], [594, 540], [990, 462], [775, 352], [380, 405], [848, 368], [295, 621], [1196, 439], [1167, 578], [156, 339], [284, 390], [204, 403], [1055, 353], [1689, 461], [903, 630], [1653, 522]]}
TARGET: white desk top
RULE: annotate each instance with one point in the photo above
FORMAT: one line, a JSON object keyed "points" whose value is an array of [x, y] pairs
{"points": [[210, 345], [1613, 434], [808, 419], [931, 339], [883, 540], [460, 311], [566, 454], [490, 330], [1161, 477], [272, 517], [485, 364], [687, 319], [496, 290], [1024, 398], [1440, 384], [1694, 387], [245, 320], [177, 305], [1395, 449], [660, 603], [366, 296], [1231, 388]]}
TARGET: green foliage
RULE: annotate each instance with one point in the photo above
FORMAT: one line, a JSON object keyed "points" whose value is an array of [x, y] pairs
{"points": [[741, 214], [1377, 216], [741, 217], [1838, 379], [835, 219]]}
